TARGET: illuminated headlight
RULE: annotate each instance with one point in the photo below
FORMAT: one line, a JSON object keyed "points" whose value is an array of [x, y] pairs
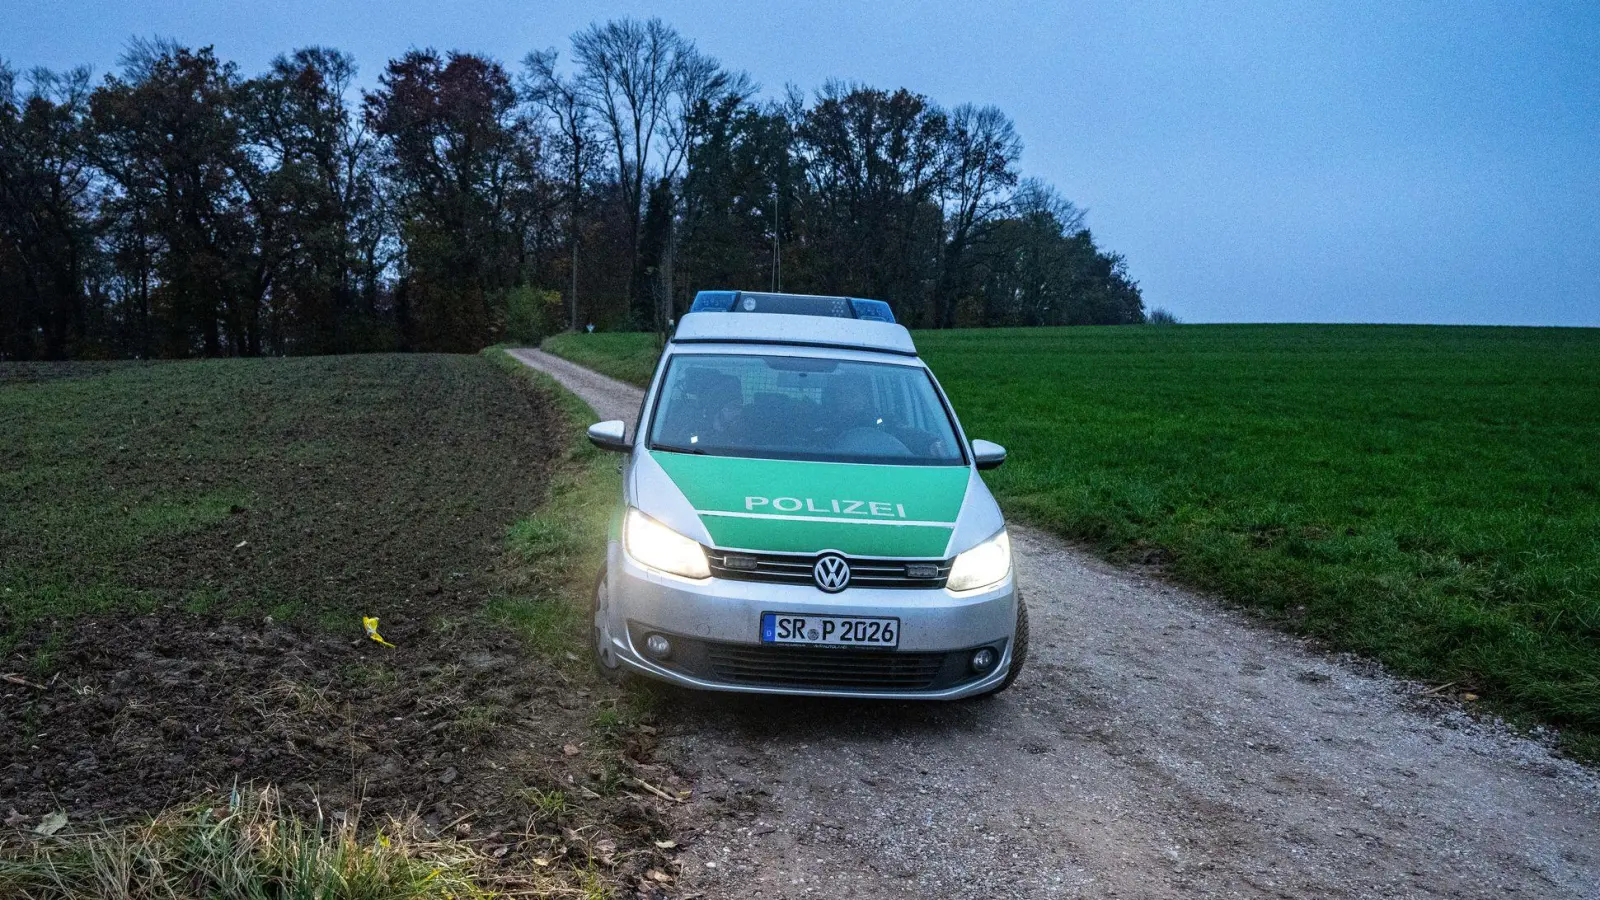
{"points": [[983, 565], [659, 547]]}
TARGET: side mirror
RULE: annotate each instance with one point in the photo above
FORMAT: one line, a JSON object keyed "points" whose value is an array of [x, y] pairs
{"points": [[988, 454], [611, 436]]}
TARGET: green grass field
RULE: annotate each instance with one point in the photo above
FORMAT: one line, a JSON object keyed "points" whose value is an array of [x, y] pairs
{"points": [[629, 356], [1426, 496]]}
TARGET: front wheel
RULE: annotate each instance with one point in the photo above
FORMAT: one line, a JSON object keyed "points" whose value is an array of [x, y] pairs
{"points": [[605, 656], [1019, 650]]}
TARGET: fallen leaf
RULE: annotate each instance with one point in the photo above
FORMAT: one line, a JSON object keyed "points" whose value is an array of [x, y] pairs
{"points": [[606, 846], [1469, 697], [540, 861], [51, 824], [15, 819], [658, 875], [571, 750], [666, 845]]}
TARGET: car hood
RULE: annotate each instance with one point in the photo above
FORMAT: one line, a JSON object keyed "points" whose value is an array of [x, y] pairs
{"points": [[804, 507]]}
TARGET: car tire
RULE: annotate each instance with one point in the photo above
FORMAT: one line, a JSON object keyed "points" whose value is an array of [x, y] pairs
{"points": [[1019, 651], [614, 672]]}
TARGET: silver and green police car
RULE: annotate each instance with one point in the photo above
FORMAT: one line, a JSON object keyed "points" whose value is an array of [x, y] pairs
{"points": [[802, 514]]}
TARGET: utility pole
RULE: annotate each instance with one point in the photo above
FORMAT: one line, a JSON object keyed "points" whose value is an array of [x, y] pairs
{"points": [[572, 292], [777, 251]]}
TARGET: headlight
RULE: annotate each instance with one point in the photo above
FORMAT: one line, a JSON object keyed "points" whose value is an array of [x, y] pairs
{"points": [[659, 547], [983, 565]]}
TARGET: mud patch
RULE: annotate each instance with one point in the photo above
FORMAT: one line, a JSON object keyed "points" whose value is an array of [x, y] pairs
{"points": [[468, 732]]}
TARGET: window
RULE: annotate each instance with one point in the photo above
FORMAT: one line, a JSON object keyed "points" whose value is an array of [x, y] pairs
{"points": [[787, 407]]}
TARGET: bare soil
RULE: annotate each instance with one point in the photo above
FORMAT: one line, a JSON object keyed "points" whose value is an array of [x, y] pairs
{"points": [[162, 710], [372, 486]]}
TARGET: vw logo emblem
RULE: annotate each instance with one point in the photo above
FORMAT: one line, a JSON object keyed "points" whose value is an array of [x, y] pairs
{"points": [[831, 573]]}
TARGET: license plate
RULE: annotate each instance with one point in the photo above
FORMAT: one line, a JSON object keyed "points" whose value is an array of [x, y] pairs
{"points": [[839, 631]]}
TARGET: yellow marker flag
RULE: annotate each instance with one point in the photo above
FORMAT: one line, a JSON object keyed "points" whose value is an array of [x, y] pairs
{"points": [[371, 624]]}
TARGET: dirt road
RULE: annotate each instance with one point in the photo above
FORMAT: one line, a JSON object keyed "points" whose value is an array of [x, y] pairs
{"points": [[1159, 745]]}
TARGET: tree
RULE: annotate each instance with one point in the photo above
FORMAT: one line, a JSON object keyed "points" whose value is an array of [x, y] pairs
{"points": [[323, 191], [463, 163], [654, 275], [578, 146], [982, 148], [627, 72], [699, 83], [1034, 197], [738, 195], [47, 199], [168, 133], [180, 209], [643, 81], [1040, 266], [875, 165]]}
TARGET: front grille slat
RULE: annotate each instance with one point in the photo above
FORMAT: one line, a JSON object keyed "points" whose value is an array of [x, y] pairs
{"points": [[795, 568], [824, 667]]}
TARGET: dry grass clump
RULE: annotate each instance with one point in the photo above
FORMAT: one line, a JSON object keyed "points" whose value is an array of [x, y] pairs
{"points": [[252, 848]]}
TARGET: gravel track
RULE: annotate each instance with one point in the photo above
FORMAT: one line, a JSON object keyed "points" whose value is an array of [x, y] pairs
{"points": [[608, 397], [1160, 744]]}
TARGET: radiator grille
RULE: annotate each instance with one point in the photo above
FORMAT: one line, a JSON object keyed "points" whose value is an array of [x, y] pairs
{"points": [[795, 568]]}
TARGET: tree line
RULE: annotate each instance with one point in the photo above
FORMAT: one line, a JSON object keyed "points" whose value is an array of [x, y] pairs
{"points": [[178, 208]]}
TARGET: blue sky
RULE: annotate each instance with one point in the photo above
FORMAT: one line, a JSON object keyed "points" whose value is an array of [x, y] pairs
{"points": [[1350, 162]]}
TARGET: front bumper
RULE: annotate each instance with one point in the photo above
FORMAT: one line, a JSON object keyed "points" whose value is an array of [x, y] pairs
{"points": [[715, 624]]}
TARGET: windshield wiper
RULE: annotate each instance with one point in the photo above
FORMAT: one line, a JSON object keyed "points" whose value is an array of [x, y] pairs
{"points": [[671, 449]]}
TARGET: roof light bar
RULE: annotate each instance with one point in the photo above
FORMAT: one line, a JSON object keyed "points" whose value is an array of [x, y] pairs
{"points": [[793, 304]]}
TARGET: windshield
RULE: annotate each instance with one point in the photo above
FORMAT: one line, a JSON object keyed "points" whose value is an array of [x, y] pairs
{"points": [[786, 407]]}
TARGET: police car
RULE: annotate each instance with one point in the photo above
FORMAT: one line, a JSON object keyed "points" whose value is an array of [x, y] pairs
{"points": [[802, 514]]}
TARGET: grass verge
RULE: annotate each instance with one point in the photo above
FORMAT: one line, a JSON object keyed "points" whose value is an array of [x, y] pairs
{"points": [[251, 848], [1426, 496], [624, 355], [560, 548]]}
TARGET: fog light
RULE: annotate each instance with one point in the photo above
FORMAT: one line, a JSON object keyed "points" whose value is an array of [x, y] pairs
{"points": [[983, 659], [658, 646]]}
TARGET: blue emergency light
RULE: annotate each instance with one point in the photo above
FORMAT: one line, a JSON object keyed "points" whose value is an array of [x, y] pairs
{"points": [[793, 305]]}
